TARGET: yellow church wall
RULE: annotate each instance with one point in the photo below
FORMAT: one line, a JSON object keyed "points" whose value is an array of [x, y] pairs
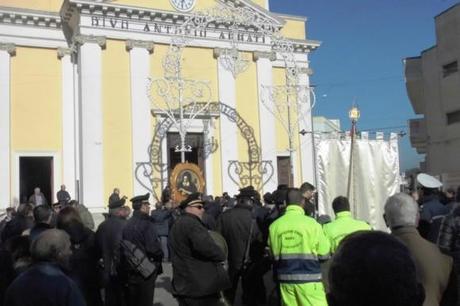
{"points": [[293, 28], [117, 150], [36, 103], [247, 105], [282, 139], [197, 64], [165, 5], [42, 5]]}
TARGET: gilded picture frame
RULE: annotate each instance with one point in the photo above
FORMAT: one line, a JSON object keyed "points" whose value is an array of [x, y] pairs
{"points": [[186, 178]]}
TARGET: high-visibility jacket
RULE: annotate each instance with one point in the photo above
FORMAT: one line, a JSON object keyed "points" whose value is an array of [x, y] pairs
{"points": [[297, 244], [342, 226]]}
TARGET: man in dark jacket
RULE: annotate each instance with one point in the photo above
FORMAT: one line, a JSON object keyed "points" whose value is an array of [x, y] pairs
{"points": [[43, 218], [140, 231], [23, 220], [63, 196], [242, 234], [162, 220], [45, 283], [198, 273], [108, 237]]}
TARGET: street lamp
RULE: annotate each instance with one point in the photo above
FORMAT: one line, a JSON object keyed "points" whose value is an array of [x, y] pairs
{"points": [[354, 115]]}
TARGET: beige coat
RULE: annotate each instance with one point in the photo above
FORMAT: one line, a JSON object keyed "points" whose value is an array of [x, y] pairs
{"points": [[433, 267]]}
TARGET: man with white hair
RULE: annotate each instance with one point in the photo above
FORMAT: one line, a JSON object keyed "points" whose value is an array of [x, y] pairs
{"points": [[45, 282], [433, 268]]}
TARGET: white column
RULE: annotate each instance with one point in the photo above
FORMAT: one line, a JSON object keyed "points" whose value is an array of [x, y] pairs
{"points": [[91, 116], [266, 119], [139, 56], [6, 51], [208, 133], [307, 156], [164, 160], [68, 122], [228, 129]]}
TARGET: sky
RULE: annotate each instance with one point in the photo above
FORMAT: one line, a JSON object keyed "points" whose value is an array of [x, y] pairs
{"points": [[361, 57]]}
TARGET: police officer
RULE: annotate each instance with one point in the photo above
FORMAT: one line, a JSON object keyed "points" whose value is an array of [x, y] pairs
{"points": [[242, 234], [108, 237], [344, 224], [198, 274], [140, 231], [298, 244]]}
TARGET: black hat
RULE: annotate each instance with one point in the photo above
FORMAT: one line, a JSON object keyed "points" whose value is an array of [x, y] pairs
{"points": [[248, 192], [194, 198], [117, 204], [280, 196], [139, 200]]}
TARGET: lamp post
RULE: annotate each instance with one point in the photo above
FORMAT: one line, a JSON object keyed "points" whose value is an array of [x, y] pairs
{"points": [[354, 115]]}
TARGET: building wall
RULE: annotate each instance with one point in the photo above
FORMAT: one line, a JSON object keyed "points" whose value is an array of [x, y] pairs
{"points": [[434, 94], [116, 101], [41, 84]]}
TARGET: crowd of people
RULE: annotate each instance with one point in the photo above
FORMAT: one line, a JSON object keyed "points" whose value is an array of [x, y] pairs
{"points": [[223, 250]]}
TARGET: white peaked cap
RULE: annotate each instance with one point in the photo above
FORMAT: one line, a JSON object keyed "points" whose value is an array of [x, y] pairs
{"points": [[428, 181]]}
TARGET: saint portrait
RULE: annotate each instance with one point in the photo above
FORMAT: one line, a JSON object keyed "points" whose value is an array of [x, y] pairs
{"points": [[187, 182], [186, 178]]}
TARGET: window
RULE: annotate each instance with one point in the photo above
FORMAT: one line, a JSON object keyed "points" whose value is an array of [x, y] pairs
{"points": [[450, 68], [453, 117]]}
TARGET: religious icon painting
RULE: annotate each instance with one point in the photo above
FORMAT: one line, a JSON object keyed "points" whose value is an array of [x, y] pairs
{"points": [[186, 178]]}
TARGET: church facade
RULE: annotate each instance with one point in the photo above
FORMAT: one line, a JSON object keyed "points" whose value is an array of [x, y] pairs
{"points": [[76, 106]]}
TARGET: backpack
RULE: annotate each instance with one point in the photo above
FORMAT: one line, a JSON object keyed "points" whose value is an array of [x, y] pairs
{"points": [[137, 259]]}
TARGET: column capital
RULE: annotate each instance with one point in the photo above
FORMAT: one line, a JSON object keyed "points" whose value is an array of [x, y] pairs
{"points": [[83, 39], [148, 45], [306, 70], [62, 52], [217, 52], [8, 47], [256, 55]]}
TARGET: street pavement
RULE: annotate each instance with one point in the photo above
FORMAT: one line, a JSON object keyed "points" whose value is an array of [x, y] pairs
{"points": [[163, 296]]}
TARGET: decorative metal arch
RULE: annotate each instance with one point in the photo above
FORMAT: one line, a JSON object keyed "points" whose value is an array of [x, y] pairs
{"points": [[254, 172]]}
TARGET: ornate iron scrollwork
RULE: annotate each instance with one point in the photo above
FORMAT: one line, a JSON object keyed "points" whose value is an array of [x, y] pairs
{"points": [[254, 172]]}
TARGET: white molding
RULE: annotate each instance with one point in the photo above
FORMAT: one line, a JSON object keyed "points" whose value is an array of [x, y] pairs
{"points": [[15, 175], [208, 161], [306, 147], [164, 161], [68, 122], [228, 130], [266, 119], [91, 146], [140, 109], [32, 37], [5, 127]]}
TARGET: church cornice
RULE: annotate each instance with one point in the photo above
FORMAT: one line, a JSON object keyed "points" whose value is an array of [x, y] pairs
{"points": [[24, 17]]}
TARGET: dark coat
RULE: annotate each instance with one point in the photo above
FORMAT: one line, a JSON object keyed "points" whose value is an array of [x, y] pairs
{"points": [[37, 229], [449, 235], [16, 226], [140, 230], [108, 237], [433, 268], [44, 284], [114, 197], [196, 259], [84, 262], [63, 196], [234, 224], [161, 219]]}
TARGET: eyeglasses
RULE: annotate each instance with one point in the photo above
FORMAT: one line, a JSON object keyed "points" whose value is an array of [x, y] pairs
{"points": [[197, 206]]}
